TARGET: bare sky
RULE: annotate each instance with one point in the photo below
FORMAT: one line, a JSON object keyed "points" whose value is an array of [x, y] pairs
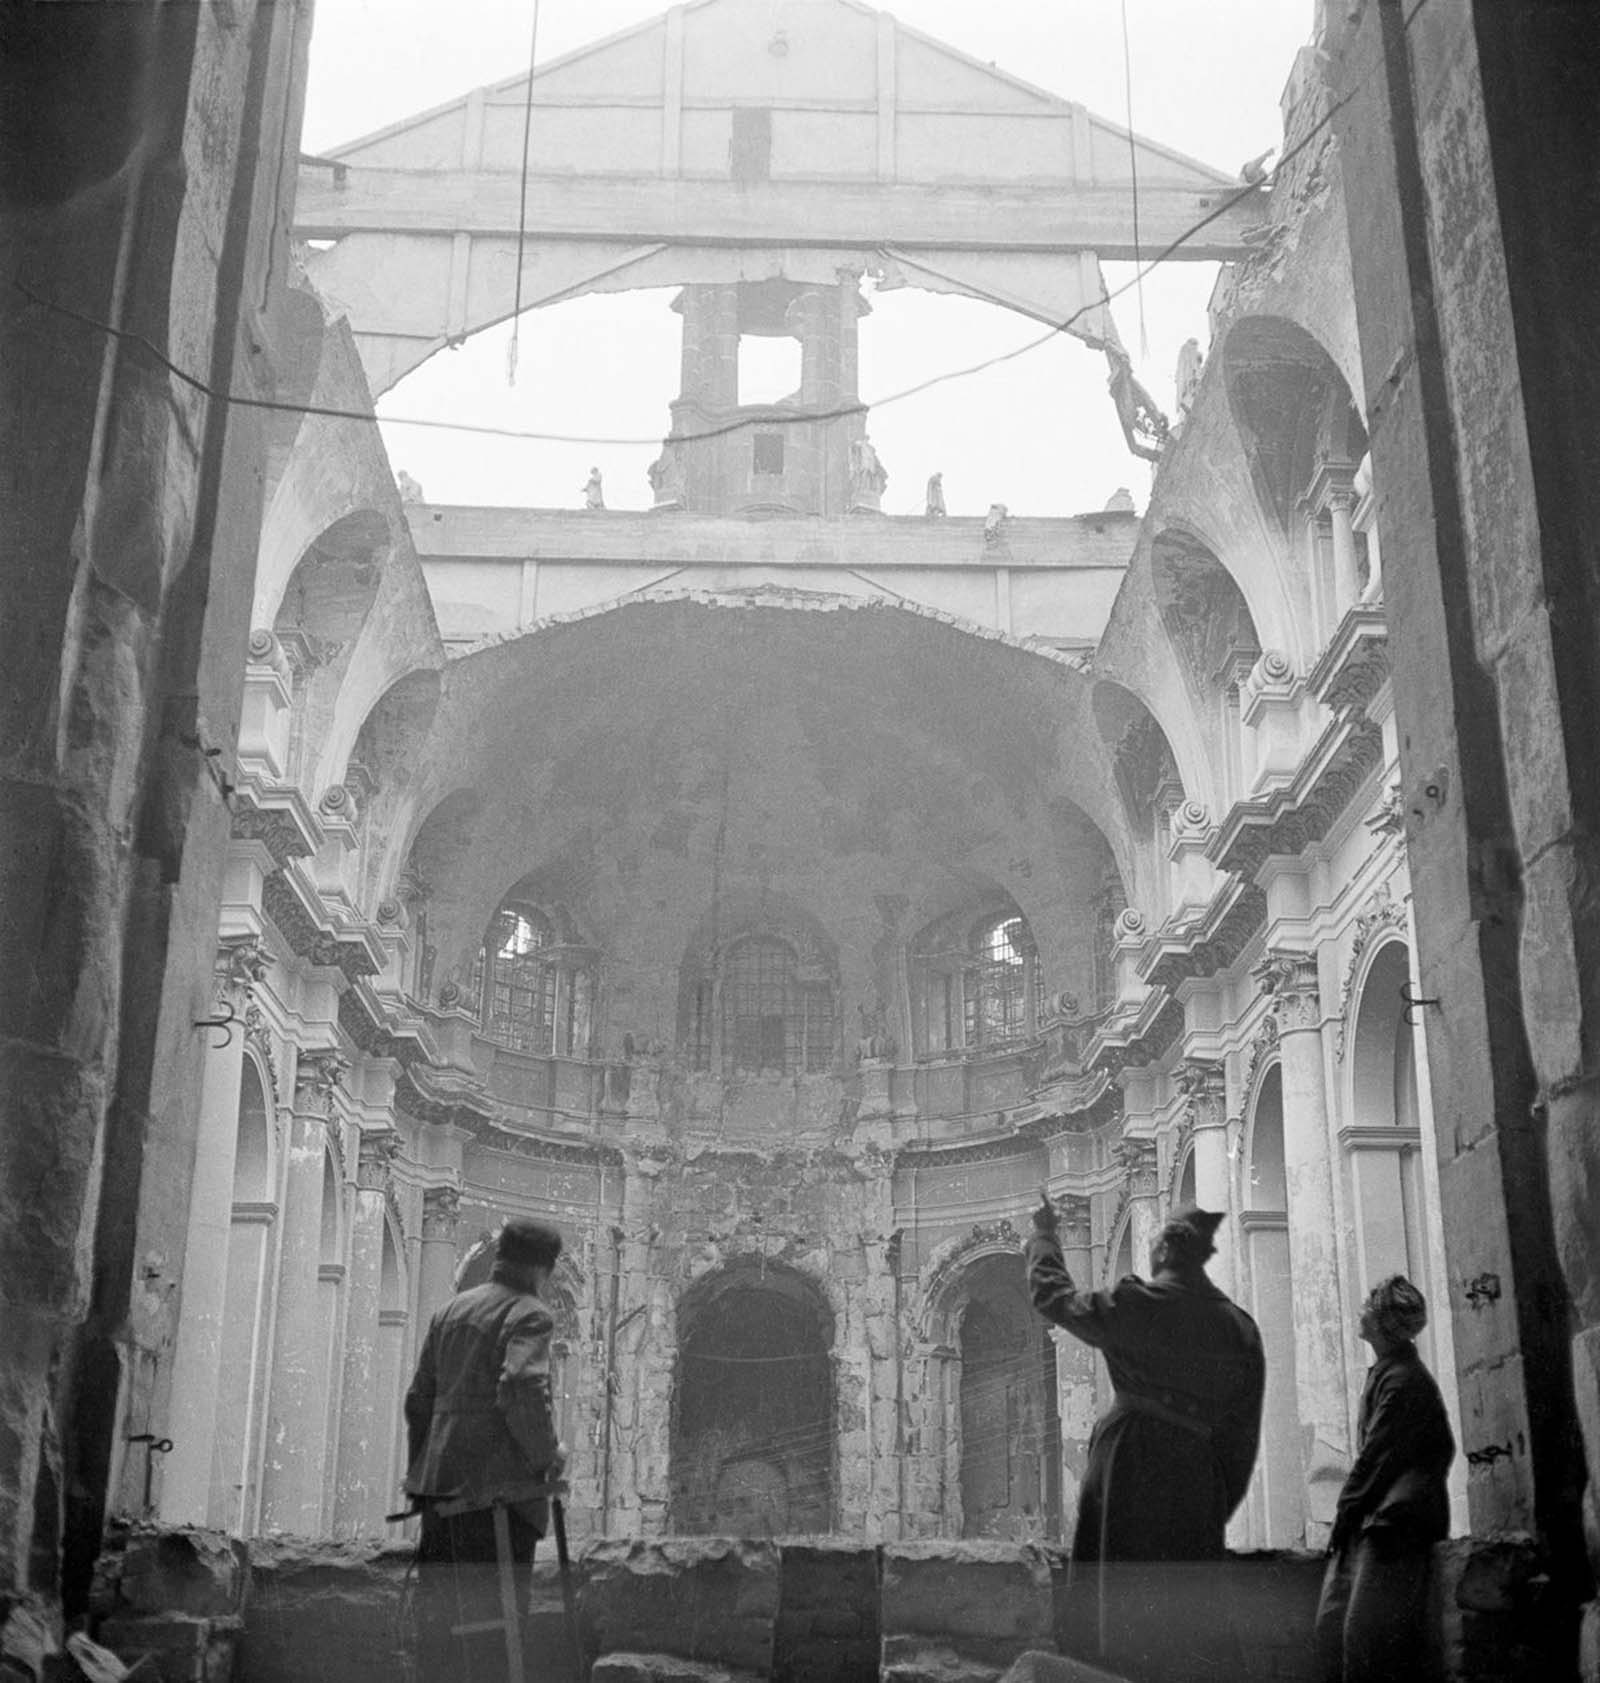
{"points": [[1038, 433]]}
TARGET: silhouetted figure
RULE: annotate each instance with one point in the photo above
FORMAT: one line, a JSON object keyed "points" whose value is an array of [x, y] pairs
{"points": [[1371, 1621], [594, 495], [479, 1423]]}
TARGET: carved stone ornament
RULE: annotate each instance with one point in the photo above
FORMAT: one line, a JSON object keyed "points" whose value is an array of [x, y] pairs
{"points": [[441, 1211], [1077, 1222], [263, 645], [1390, 818], [1130, 923], [317, 1077], [1204, 1083], [1291, 979], [374, 1157], [1262, 1045], [1138, 1160], [242, 961], [258, 1035], [1382, 915]]}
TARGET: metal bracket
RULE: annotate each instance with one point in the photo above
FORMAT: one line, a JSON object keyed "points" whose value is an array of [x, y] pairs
{"points": [[154, 1446], [1409, 1002], [226, 1021]]}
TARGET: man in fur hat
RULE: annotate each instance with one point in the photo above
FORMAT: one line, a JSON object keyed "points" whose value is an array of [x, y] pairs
{"points": [[1170, 1459], [480, 1423]]}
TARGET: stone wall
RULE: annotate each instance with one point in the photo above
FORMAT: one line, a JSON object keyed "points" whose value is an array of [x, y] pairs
{"points": [[790, 1610]]}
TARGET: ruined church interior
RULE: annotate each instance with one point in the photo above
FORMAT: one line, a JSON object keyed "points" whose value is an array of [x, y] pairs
{"points": [[770, 879]]}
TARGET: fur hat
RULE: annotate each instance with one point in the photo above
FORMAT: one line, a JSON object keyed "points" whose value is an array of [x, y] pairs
{"points": [[528, 1244]]}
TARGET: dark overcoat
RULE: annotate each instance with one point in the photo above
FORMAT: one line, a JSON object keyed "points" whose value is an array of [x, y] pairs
{"points": [[478, 1414], [1403, 1456], [1170, 1460]]}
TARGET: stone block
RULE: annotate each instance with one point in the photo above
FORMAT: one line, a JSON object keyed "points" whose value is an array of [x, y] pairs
{"points": [[324, 1610], [663, 1668], [1058, 1668], [709, 1599], [920, 1659], [828, 1614], [183, 1648], [973, 1591], [191, 1571]]}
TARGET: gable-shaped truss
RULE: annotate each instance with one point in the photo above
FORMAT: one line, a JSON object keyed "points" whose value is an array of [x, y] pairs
{"points": [[731, 141]]}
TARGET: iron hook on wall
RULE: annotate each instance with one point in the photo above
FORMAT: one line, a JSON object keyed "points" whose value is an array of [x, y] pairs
{"points": [[224, 1020], [1409, 1002]]}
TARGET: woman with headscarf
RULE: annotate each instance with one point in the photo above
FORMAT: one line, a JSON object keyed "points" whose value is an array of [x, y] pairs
{"points": [[1371, 1620], [1170, 1460]]}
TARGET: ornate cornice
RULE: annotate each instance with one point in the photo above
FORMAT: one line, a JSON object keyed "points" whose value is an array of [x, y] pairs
{"points": [[311, 935], [495, 1138], [444, 1096], [1212, 943], [277, 817], [1138, 1160], [380, 1031], [1285, 822], [1382, 916], [374, 1158], [241, 962], [1203, 1083], [1030, 1138], [1355, 664], [1147, 1039]]}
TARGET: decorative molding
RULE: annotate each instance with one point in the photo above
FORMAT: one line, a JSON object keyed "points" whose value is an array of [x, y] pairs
{"points": [[1103, 1110], [443, 1096], [1290, 978], [1355, 665], [1139, 1168], [441, 1213], [1149, 1038], [241, 962], [1379, 1137], [1263, 1045], [1381, 918], [1214, 941], [278, 818], [313, 937], [317, 1077], [374, 1159], [259, 1035], [1285, 822], [380, 1031], [494, 1137]]}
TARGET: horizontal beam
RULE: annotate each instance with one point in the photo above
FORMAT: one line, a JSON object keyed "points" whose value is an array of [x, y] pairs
{"points": [[960, 217]]}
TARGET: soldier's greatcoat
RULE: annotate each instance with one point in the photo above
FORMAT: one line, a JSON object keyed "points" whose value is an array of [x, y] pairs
{"points": [[1170, 1460]]}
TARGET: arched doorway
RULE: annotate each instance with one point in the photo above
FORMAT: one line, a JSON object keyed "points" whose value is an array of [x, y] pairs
{"points": [[752, 1428], [1278, 1500], [1010, 1427], [235, 1477]]}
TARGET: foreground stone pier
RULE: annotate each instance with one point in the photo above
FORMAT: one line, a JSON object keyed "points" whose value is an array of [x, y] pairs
{"points": [[212, 1609]]}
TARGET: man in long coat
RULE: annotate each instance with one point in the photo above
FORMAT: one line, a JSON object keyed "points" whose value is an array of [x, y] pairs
{"points": [[1170, 1459], [480, 1423]]}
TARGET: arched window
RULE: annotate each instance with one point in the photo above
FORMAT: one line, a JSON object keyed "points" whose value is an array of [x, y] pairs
{"points": [[985, 992], [536, 991], [775, 1018]]}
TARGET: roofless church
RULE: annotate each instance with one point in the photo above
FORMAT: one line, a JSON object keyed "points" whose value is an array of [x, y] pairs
{"points": [[770, 890]]}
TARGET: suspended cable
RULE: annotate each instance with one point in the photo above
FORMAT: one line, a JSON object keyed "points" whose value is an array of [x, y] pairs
{"points": [[522, 204], [1133, 170], [798, 417]]}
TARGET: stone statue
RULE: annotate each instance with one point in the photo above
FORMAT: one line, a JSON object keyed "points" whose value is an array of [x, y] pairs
{"points": [[1190, 362], [410, 490], [934, 508], [867, 476], [874, 1043], [993, 521], [594, 495]]}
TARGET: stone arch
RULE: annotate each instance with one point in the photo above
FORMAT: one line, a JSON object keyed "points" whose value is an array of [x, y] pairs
{"points": [[1291, 406], [752, 1445], [1150, 784], [376, 761], [1009, 1429], [243, 1358], [1277, 1497], [1383, 1137]]}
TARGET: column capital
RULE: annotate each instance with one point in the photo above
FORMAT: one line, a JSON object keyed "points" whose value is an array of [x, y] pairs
{"points": [[241, 961], [1291, 979], [318, 1075], [376, 1152], [1203, 1082], [1076, 1213], [1138, 1160], [441, 1210]]}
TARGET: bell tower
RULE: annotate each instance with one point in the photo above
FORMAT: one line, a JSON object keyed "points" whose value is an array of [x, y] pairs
{"points": [[804, 453]]}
